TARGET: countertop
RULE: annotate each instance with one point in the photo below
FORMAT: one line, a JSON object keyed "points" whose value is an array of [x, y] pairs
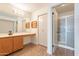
{"points": [[16, 34]]}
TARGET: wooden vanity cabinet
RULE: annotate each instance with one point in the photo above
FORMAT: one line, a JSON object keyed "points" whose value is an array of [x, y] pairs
{"points": [[6, 45], [10, 44], [17, 43]]}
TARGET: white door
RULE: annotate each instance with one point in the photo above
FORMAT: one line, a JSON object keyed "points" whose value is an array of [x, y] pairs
{"points": [[43, 29]]}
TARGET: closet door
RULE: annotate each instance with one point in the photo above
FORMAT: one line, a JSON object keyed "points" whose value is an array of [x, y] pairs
{"points": [[43, 30]]}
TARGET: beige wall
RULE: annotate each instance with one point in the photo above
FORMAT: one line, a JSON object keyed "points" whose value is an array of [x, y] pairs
{"points": [[27, 39]]}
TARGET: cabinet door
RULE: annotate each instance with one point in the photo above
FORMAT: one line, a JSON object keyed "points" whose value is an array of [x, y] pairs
{"points": [[18, 43], [6, 46]]}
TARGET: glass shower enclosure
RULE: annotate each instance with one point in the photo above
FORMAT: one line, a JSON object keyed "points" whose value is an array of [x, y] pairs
{"points": [[63, 29]]}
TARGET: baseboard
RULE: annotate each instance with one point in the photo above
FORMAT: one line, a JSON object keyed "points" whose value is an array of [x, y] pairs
{"points": [[42, 45], [36, 44], [29, 43], [39, 45]]}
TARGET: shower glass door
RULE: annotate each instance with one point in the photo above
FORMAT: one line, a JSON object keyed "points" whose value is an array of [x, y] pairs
{"points": [[67, 31]]}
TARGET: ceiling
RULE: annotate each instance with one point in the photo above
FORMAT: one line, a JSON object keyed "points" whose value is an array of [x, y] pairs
{"points": [[65, 8], [24, 8], [30, 7]]}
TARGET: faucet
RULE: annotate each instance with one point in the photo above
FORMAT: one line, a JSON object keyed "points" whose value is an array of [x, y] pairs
{"points": [[10, 32]]}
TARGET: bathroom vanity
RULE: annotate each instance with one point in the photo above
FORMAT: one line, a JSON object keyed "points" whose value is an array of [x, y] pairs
{"points": [[12, 43]]}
